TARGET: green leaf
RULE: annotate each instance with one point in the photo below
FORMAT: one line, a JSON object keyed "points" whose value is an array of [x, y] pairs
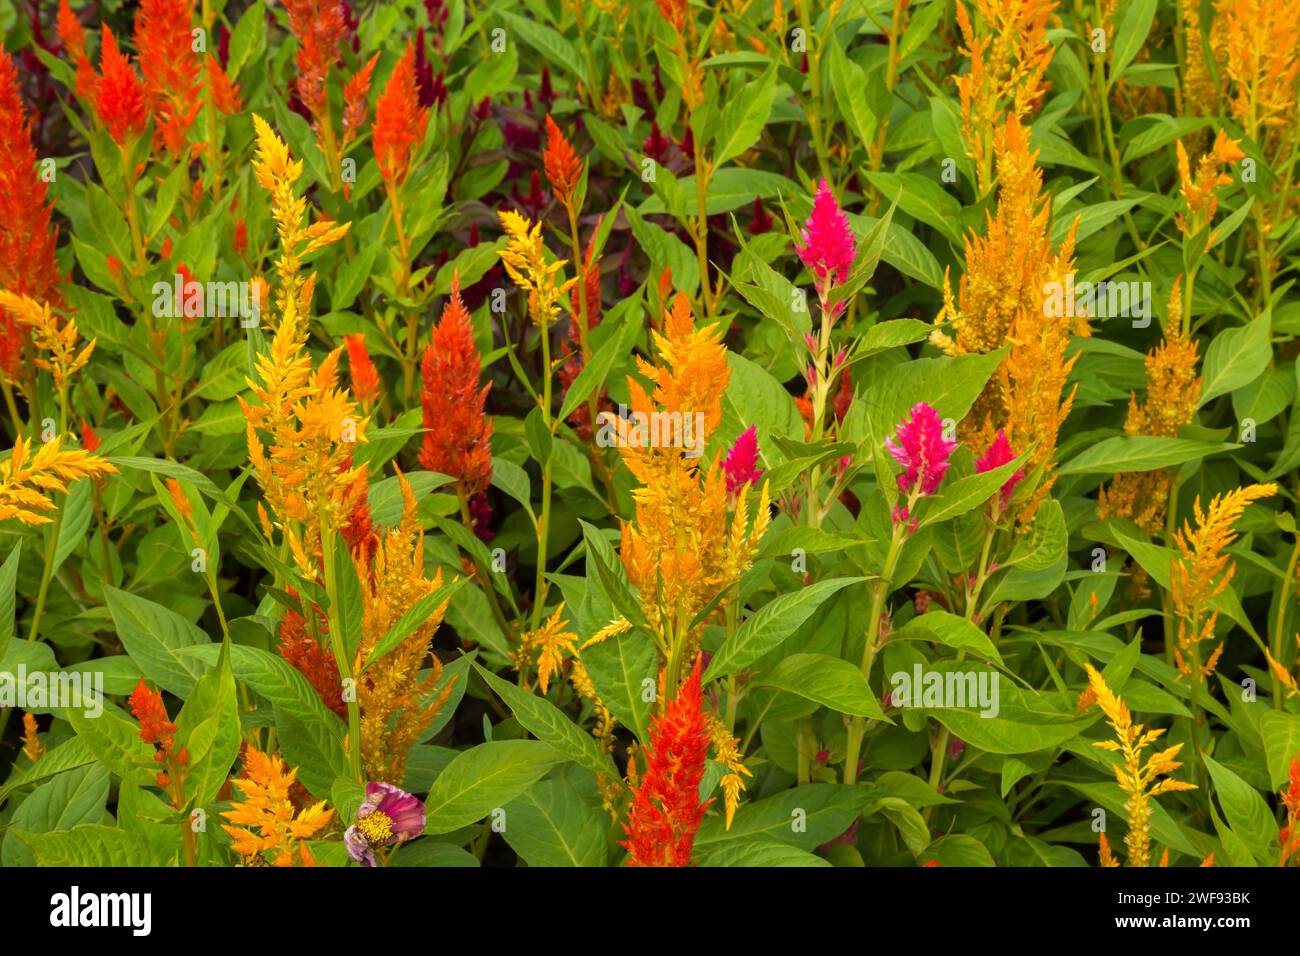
{"points": [[595, 372], [549, 824], [544, 720], [115, 742], [153, 635], [8, 606], [618, 667], [847, 83], [483, 779], [1235, 358], [89, 845], [953, 631], [68, 755], [1281, 734], [69, 799], [1139, 453], [804, 817], [208, 727], [1246, 812], [311, 735], [744, 117], [829, 681], [765, 629], [757, 853]]}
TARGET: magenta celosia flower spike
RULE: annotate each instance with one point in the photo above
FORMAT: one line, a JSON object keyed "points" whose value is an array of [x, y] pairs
{"points": [[998, 454], [918, 446], [741, 463], [828, 248]]}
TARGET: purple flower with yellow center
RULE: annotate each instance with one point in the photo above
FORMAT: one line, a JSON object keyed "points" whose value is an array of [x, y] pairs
{"points": [[388, 816]]}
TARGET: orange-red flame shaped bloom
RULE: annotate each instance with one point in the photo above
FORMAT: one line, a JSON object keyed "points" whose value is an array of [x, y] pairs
{"points": [[119, 95], [400, 121], [457, 441], [666, 809], [170, 69], [27, 242]]}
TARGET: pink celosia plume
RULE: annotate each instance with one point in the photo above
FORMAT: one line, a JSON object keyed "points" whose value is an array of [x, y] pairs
{"points": [[828, 248], [918, 445], [998, 454], [741, 463]]}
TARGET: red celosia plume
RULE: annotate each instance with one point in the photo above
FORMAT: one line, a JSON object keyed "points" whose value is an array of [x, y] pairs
{"points": [[666, 809], [457, 440]]}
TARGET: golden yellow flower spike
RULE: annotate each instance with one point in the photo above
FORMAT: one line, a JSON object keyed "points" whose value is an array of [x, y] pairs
{"points": [[25, 482], [1138, 778]]}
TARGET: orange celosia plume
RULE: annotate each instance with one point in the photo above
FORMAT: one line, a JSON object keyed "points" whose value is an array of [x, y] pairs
{"points": [[400, 121], [170, 68], [458, 437], [267, 822], [318, 26], [119, 94], [666, 808], [563, 167], [27, 241]]}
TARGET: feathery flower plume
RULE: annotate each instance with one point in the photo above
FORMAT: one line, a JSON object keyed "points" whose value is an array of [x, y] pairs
{"points": [[1138, 778], [1256, 42], [1009, 54], [919, 446], [56, 343], [741, 463], [400, 122], [155, 728], [1173, 390], [680, 551], [170, 69], [306, 469], [312, 657], [1001, 301], [1198, 190], [563, 167], [355, 100], [1289, 834], [388, 816], [119, 95], [32, 746], [997, 455], [319, 27], [726, 751], [666, 809], [26, 483], [27, 242], [458, 437], [267, 828], [1201, 573], [361, 370], [552, 643], [396, 704], [525, 260], [225, 92], [828, 250]]}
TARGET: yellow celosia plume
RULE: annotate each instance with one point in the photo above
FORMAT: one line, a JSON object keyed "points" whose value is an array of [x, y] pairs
{"points": [[26, 480], [1138, 778]]}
